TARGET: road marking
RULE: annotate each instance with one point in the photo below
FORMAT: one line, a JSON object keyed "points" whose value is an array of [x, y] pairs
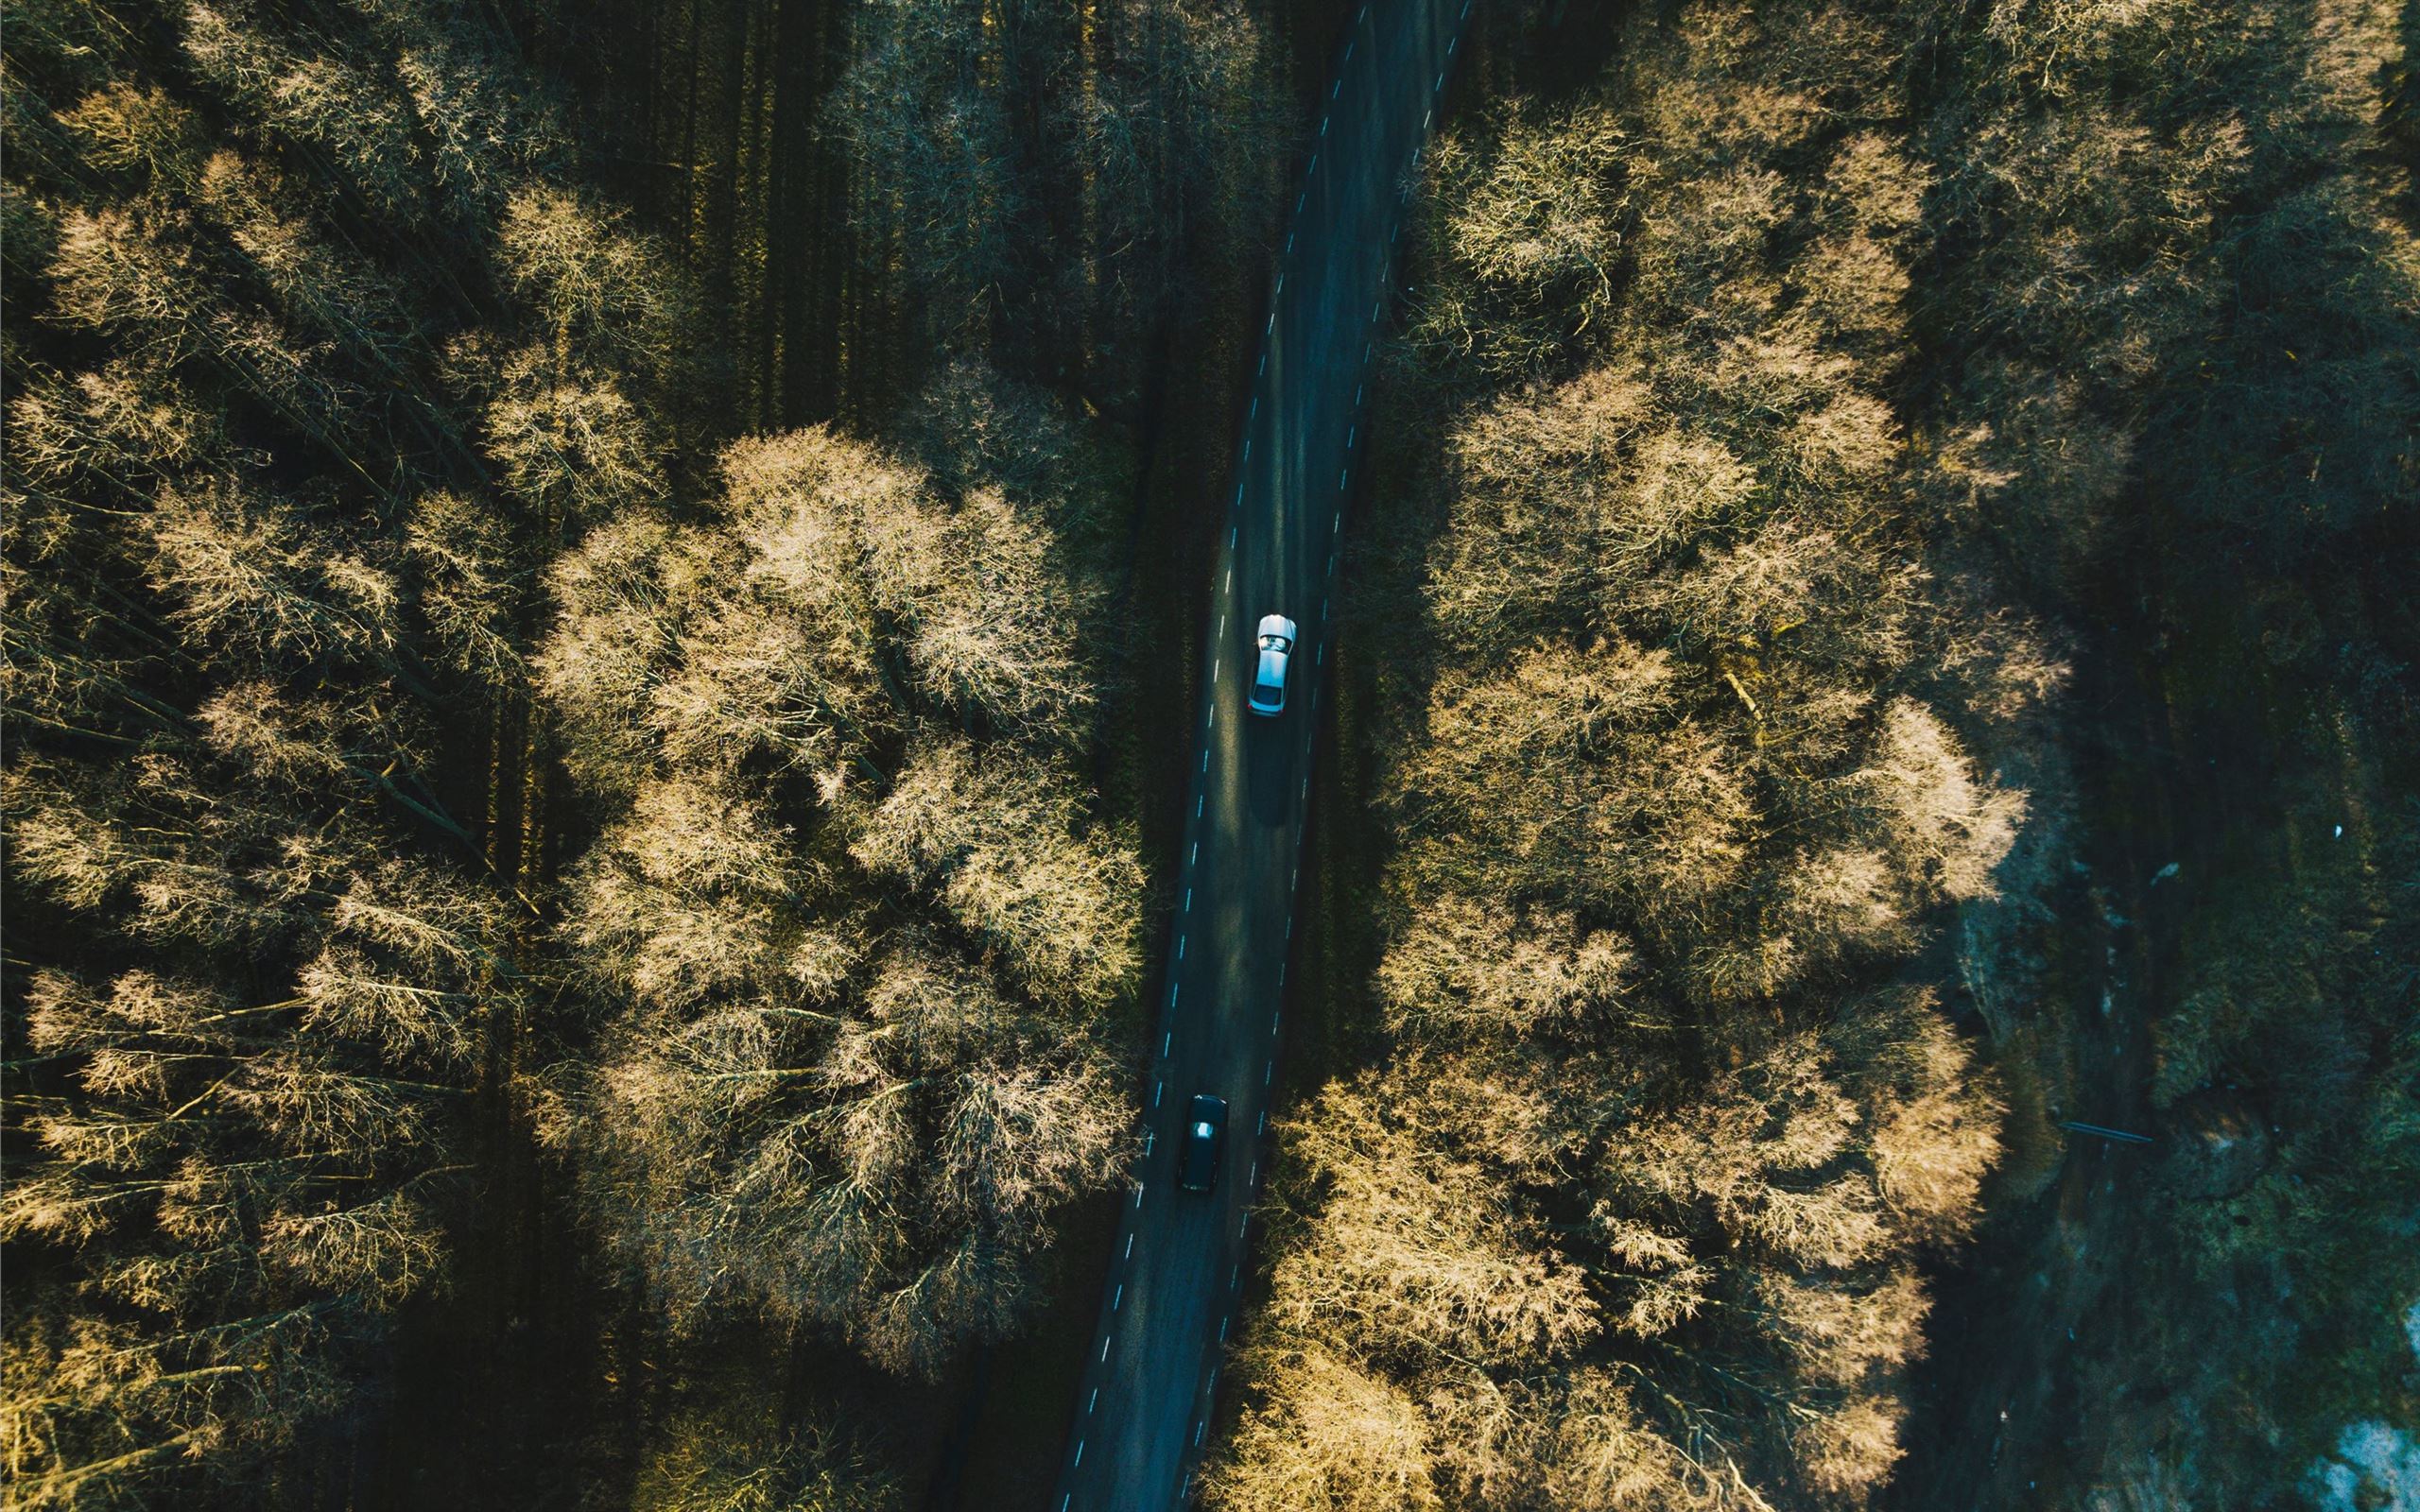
{"points": [[1265, 1072], [1064, 1500], [1222, 623], [1242, 1228], [1298, 201], [1214, 716], [1247, 448], [1290, 244], [1451, 45], [1262, 1129], [1367, 348], [1394, 231], [1215, 665], [1307, 789], [1188, 908], [1356, 396], [1156, 1089], [1080, 1452], [1138, 1192], [1272, 1020], [1205, 760], [1104, 1345], [1117, 1298], [1424, 119], [1323, 126], [1374, 308], [1166, 1040], [1289, 926], [1340, 79], [1222, 1339], [1231, 578], [1315, 166], [1173, 986], [1231, 530], [1441, 79], [1234, 1279], [1197, 855], [1353, 433], [1130, 1238], [1094, 1403], [1149, 1138], [1339, 521], [1365, 12], [1256, 1181], [1204, 1422], [1281, 973], [1198, 803], [1319, 655], [1340, 477], [1272, 315], [1264, 372]]}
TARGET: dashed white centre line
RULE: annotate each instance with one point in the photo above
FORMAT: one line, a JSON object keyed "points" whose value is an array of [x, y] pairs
{"points": [[1094, 1403], [1198, 804], [1157, 1089], [1234, 1275], [1272, 1020], [1080, 1452], [1130, 1238], [1104, 1345], [1117, 1298], [1166, 1040], [1188, 899], [1138, 1192], [1267, 1071], [1352, 433]]}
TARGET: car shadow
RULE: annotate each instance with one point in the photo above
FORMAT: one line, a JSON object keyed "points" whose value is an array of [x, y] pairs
{"points": [[1269, 744]]}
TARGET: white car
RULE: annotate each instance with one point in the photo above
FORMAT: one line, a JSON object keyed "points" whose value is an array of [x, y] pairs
{"points": [[1269, 680]]}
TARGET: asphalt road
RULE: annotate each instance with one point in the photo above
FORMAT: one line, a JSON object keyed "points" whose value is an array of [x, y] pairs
{"points": [[1176, 1276]]}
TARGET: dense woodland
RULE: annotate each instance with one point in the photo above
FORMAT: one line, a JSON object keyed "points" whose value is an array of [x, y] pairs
{"points": [[587, 590]]}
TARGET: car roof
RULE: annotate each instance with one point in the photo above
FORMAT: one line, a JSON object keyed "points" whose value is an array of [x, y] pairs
{"points": [[1276, 624]]}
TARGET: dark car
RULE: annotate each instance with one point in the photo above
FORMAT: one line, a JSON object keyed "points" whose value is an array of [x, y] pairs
{"points": [[1205, 1129]]}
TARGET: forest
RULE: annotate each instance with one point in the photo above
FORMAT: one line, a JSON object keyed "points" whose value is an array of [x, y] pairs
{"points": [[603, 604]]}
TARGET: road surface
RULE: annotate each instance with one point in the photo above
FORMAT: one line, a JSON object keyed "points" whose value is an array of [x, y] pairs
{"points": [[1176, 1275]]}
